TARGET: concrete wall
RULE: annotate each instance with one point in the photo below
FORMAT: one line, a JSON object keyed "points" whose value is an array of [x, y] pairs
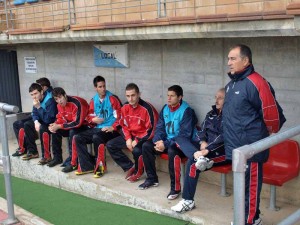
{"points": [[198, 65]]}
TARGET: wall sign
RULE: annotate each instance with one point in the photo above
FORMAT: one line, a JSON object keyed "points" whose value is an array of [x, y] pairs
{"points": [[109, 55], [30, 65]]}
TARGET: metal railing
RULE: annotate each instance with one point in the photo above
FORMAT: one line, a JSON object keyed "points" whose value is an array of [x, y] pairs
{"points": [[5, 162], [239, 163], [84, 12]]}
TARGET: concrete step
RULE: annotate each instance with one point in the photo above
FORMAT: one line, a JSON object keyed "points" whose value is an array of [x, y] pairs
{"points": [[211, 209]]}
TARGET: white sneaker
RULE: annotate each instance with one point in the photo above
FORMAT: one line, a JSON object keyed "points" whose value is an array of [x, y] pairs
{"points": [[204, 163], [258, 222], [183, 206]]}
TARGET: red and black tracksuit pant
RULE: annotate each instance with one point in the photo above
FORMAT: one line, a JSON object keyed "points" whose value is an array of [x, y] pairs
{"points": [[97, 137], [253, 185], [57, 142], [26, 133], [18, 127], [115, 147], [192, 174]]}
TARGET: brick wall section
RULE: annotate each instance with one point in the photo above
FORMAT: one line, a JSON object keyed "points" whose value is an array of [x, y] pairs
{"points": [[88, 13]]}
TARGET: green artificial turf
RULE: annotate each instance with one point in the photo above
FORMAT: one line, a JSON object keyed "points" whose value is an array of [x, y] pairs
{"points": [[63, 208]]}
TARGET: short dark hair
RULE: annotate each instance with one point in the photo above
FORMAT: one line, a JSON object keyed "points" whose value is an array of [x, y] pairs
{"points": [[245, 51], [177, 89], [43, 81], [132, 86], [35, 86], [98, 79], [58, 91]]}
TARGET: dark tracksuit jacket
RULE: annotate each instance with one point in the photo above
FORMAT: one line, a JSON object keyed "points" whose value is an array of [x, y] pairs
{"points": [[211, 132], [250, 113], [44, 115], [178, 122]]}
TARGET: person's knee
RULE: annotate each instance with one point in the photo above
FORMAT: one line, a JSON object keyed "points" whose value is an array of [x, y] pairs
{"points": [[72, 133], [77, 138], [136, 152], [16, 124], [147, 147], [109, 145], [27, 124], [172, 152], [97, 139], [180, 140]]}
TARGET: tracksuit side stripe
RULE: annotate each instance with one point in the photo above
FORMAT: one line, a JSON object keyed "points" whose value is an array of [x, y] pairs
{"points": [[177, 162], [21, 140], [46, 143], [252, 191]]}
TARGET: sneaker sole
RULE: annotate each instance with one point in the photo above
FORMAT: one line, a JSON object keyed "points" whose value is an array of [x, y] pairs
{"points": [[144, 188], [185, 210], [172, 197], [82, 173], [33, 157], [210, 164], [98, 175]]}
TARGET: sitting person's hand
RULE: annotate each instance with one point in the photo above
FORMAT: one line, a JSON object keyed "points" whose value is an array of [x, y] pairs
{"points": [[129, 144], [203, 152]]}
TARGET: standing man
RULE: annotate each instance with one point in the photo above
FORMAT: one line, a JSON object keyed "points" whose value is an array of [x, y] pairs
{"points": [[70, 120], [250, 114], [176, 119], [43, 113], [138, 122], [104, 115], [18, 125], [207, 143]]}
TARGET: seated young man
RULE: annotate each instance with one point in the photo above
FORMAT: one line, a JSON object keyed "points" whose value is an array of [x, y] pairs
{"points": [[70, 120], [138, 121], [18, 125], [104, 115], [177, 119], [43, 113], [208, 143]]}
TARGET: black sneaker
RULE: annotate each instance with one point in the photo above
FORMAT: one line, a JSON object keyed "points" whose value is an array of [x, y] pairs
{"points": [[54, 162], [147, 184], [69, 168], [18, 152], [173, 195]]}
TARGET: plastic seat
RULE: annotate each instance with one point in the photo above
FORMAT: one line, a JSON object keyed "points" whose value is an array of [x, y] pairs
{"points": [[283, 165], [223, 170], [182, 166]]}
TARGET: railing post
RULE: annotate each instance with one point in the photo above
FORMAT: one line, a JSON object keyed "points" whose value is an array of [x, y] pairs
{"points": [[6, 15], [69, 9], [6, 162], [158, 8], [239, 167]]}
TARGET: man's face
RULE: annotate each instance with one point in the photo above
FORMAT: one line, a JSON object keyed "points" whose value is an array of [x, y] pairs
{"points": [[36, 95], [132, 97], [236, 63], [173, 99], [101, 89], [220, 99], [61, 100]]}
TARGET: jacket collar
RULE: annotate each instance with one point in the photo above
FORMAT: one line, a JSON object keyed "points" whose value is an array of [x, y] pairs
{"points": [[243, 74], [173, 109]]}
